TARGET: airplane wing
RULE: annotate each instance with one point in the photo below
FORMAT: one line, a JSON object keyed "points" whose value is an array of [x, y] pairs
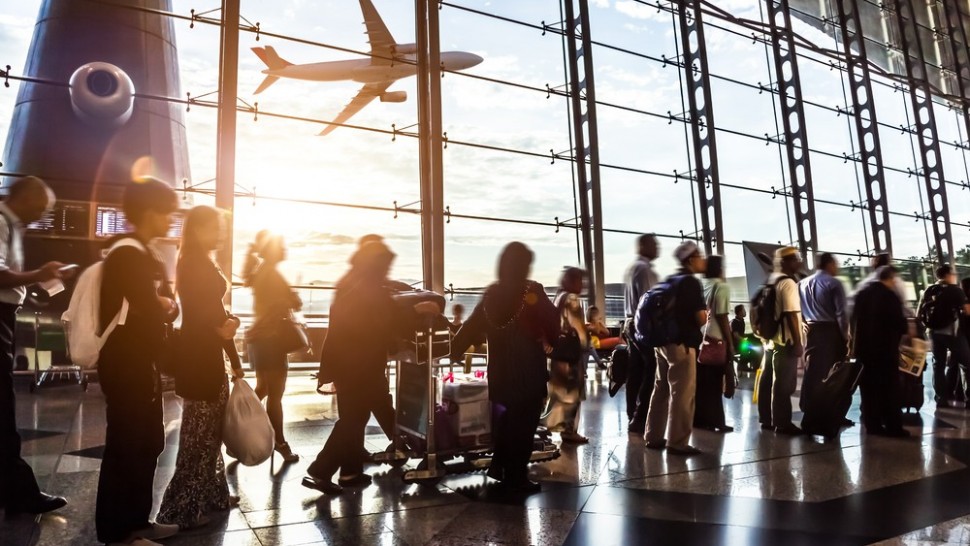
{"points": [[366, 94], [381, 41]]}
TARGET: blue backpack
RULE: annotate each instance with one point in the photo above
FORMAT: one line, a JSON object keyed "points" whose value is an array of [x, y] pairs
{"points": [[655, 322]]}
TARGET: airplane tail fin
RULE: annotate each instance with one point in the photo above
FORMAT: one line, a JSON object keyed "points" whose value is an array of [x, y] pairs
{"points": [[272, 61], [270, 58]]}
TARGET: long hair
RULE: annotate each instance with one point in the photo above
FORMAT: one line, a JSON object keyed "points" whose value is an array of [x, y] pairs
{"points": [[195, 220], [505, 297], [265, 247]]}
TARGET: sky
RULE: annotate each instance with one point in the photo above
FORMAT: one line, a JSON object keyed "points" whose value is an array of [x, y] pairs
{"points": [[285, 159]]}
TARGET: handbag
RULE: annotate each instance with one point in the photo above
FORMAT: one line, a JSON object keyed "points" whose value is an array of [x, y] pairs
{"points": [[713, 352], [290, 336], [567, 348]]}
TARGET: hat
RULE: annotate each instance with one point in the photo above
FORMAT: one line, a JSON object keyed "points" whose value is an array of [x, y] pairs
{"points": [[685, 250], [785, 252]]}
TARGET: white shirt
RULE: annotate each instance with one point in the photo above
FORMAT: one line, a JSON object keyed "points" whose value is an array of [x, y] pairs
{"points": [[717, 294], [11, 254], [787, 301]]}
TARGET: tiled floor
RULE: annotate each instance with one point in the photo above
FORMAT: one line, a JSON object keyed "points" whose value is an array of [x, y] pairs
{"points": [[749, 487]]}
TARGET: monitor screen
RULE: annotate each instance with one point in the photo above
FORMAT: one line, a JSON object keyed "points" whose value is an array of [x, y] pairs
{"points": [[110, 221], [65, 219]]}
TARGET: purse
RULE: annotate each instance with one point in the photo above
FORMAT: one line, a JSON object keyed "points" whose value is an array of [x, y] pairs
{"points": [[713, 352], [567, 348], [291, 336]]}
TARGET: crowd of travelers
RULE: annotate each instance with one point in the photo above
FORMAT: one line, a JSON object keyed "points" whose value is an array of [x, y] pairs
{"points": [[677, 336]]}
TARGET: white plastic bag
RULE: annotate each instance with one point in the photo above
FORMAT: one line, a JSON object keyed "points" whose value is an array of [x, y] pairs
{"points": [[247, 431]]}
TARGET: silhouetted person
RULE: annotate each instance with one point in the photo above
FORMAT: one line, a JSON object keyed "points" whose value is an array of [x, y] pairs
{"points": [[518, 320], [199, 484], [879, 326], [27, 200], [639, 278], [127, 370], [567, 381], [945, 301], [713, 377], [787, 343], [738, 326]]}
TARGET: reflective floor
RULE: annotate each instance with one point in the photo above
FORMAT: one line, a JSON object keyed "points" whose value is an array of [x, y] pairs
{"points": [[749, 487]]}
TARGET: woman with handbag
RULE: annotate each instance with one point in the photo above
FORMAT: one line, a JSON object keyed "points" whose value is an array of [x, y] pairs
{"points": [[274, 333], [199, 483], [715, 368], [519, 322], [567, 371]]}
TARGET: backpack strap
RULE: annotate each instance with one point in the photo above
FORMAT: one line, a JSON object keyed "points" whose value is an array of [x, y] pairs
{"points": [[122, 243]]}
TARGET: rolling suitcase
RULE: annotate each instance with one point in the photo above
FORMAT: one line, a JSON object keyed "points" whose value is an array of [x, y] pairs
{"points": [[830, 402], [910, 391]]}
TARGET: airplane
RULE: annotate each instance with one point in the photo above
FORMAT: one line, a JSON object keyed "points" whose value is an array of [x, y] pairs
{"points": [[377, 73]]}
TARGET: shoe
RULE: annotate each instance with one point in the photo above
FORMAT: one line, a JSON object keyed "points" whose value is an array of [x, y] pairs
{"points": [[367, 457], [686, 450], [41, 504], [725, 428], [767, 426], [360, 480], [789, 430], [286, 453], [233, 501], [848, 423], [322, 485], [658, 444], [157, 531], [574, 438]]}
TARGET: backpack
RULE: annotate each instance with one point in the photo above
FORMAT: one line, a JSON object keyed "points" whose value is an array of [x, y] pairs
{"points": [[655, 322], [763, 305], [932, 315], [82, 318]]}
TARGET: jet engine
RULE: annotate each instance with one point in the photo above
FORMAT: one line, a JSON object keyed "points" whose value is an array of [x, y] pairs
{"points": [[102, 94], [405, 49], [394, 96]]}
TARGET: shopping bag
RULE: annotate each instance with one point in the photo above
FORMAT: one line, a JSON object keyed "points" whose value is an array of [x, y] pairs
{"points": [[757, 385], [247, 431]]}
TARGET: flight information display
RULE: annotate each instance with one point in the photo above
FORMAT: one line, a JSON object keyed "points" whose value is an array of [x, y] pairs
{"points": [[110, 221], [65, 219]]}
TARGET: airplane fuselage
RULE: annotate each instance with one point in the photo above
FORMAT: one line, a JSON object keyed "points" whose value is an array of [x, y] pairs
{"points": [[364, 71]]}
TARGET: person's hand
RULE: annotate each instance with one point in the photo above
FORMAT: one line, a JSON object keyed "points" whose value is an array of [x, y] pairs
{"points": [[228, 329], [169, 307], [427, 308], [238, 373], [50, 270]]}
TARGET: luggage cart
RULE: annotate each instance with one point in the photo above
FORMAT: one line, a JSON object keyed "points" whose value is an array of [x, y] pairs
{"points": [[52, 338], [417, 437]]}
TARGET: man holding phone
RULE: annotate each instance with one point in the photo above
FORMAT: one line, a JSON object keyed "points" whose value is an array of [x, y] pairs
{"points": [[27, 200]]}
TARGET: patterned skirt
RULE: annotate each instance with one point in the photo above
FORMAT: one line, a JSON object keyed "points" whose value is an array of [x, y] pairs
{"points": [[199, 483]]}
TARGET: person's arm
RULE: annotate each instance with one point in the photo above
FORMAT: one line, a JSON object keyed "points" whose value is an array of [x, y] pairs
{"points": [[471, 330], [791, 311], [229, 346]]}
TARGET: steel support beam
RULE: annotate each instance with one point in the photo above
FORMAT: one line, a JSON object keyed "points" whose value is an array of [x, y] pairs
{"points": [[864, 115], [701, 110], [921, 99], [793, 121], [960, 57], [430, 144], [226, 123], [582, 93]]}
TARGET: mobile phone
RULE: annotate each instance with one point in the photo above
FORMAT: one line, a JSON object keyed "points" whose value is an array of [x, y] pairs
{"points": [[66, 268]]}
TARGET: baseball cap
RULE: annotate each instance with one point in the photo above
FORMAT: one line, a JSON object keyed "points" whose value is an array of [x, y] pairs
{"points": [[685, 250]]}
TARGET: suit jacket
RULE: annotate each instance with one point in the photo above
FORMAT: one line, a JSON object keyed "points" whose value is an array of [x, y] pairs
{"points": [[879, 325]]}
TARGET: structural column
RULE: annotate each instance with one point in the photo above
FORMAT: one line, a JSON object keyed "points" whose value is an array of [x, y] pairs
{"points": [[701, 111], [921, 99], [582, 94], [226, 122], [430, 144], [793, 120], [864, 115]]}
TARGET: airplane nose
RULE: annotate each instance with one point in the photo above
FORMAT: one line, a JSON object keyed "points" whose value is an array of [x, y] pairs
{"points": [[473, 59]]}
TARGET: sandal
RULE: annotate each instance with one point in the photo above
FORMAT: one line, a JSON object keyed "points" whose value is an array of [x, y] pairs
{"points": [[286, 453]]}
